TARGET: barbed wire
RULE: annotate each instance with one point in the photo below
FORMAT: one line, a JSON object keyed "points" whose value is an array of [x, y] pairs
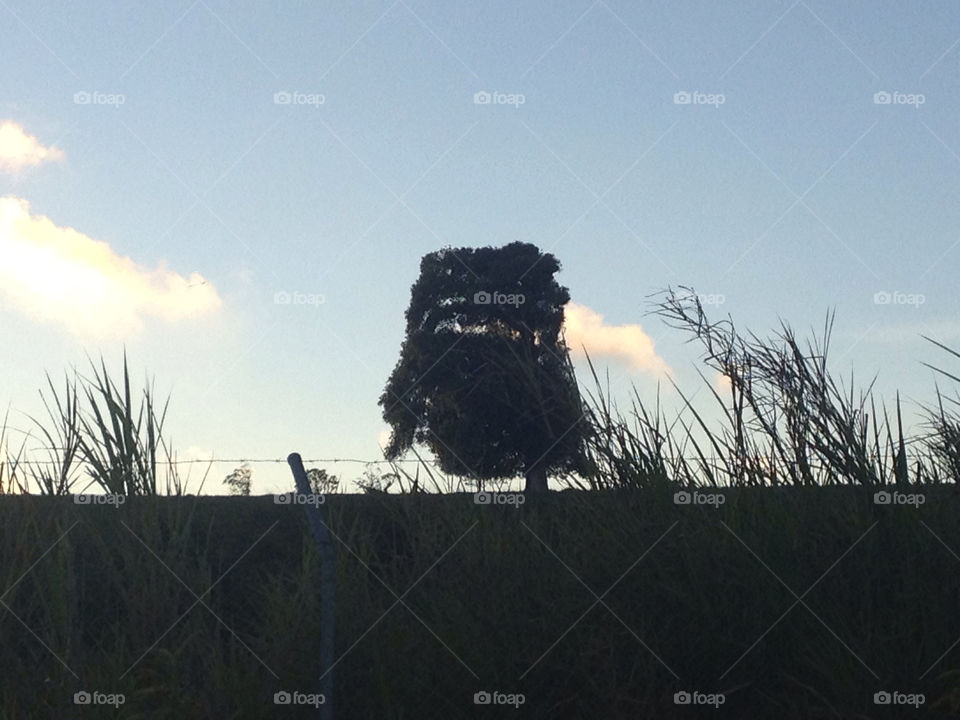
{"points": [[13, 459], [232, 461]]}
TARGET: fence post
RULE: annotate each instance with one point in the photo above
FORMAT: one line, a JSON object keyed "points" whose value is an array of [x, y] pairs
{"points": [[328, 574]]}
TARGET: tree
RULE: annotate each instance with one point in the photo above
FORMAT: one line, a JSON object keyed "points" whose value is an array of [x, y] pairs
{"points": [[321, 483], [484, 377], [239, 480], [375, 481]]}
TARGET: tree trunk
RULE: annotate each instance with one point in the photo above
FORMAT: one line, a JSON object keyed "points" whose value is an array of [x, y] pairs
{"points": [[536, 480]]}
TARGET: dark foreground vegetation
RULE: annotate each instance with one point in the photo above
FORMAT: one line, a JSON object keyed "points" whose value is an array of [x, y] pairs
{"points": [[798, 561], [792, 602]]}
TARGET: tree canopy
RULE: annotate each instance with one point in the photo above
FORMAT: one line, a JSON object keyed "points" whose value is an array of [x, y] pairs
{"points": [[484, 377]]}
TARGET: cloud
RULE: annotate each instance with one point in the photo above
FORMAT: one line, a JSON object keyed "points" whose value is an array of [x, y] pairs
{"points": [[585, 327], [58, 274], [19, 150], [195, 452]]}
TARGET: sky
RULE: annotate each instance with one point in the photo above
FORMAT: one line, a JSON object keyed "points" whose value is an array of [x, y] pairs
{"points": [[171, 173]]}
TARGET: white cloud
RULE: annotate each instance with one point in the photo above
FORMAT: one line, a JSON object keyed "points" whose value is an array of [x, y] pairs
{"points": [[585, 327], [19, 150], [58, 274], [195, 452]]}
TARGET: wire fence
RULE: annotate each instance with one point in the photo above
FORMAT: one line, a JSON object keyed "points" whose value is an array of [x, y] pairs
{"points": [[242, 461], [7, 452], [716, 463], [814, 462]]}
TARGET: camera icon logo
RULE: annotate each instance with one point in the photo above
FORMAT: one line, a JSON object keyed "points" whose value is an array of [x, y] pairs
{"points": [[881, 497], [81, 98], [881, 98], [682, 698], [283, 499], [481, 97], [882, 698], [81, 698], [282, 98], [282, 297], [482, 698], [481, 298], [282, 698], [681, 98], [681, 498], [482, 498], [881, 298]]}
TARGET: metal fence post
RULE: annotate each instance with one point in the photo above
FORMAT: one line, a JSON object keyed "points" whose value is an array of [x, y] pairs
{"points": [[328, 574]]}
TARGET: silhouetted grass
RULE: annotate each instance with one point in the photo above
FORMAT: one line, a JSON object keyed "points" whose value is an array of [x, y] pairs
{"points": [[799, 596], [493, 598], [786, 421], [106, 429], [9, 461]]}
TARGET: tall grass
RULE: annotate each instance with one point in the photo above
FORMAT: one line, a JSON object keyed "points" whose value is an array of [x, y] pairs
{"points": [[102, 427], [61, 435], [787, 420], [784, 420], [507, 594], [489, 590], [9, 463], [120, 440]]}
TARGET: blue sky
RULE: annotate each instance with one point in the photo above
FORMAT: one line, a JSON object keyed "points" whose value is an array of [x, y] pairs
{"points": [[785, 187]]}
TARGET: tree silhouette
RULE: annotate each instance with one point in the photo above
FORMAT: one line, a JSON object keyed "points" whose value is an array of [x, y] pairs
{"points": [[321, 482], [484, 377], [239, 480]]}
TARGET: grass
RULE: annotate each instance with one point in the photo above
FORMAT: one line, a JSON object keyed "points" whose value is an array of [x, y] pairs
{"points": [[487, 591], [787, 421], [797, 597], [115, 434]]}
